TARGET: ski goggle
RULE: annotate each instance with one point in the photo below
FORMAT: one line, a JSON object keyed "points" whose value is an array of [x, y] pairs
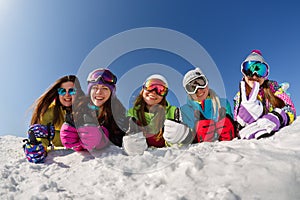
{"points": [[198, 83], [160, 89], [251, 68], [63, 91], [104, 75]]}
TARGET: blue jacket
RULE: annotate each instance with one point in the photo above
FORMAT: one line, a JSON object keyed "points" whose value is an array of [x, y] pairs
{"points": [[205, 107]]}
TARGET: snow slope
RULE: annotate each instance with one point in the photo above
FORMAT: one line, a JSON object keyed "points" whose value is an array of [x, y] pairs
{"points": [[239, 169]]}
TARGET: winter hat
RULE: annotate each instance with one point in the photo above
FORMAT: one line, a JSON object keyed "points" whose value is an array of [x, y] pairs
{"points": [[158, 77], [102, 76], [255, 55], [191, 75]]}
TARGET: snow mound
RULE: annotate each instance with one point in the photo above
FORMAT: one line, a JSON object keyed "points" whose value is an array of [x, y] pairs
{"points": [[240, 169]]}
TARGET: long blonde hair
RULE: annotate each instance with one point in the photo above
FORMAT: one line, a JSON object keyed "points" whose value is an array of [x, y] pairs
{"points": [[215, 101]]}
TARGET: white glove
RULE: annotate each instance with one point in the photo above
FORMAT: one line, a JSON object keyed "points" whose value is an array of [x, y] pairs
{"points": [[175, 132], [250, 109], [135, 144], [265, 125], [252, 131]]}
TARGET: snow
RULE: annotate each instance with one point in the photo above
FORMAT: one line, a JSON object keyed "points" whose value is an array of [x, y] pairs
{"points": [[240, 169]]}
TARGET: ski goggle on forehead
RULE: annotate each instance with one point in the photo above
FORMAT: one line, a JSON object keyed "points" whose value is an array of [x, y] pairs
{"points": [[198, 83], [160, 89], [104, 75], [251, 68], [63, 91]]}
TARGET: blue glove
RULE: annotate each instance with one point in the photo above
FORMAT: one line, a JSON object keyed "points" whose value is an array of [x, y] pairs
{"points": [[35, 152], [42, 131], [266, 125], [250, 109]]}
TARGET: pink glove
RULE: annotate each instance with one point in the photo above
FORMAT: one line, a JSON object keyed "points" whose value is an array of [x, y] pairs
{"points": [[93, 137], [250, 109], [69, 137]]}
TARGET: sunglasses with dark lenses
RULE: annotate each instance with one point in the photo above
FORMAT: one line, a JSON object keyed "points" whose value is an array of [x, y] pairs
{"points": [[200, 82], [257, 68], [160, 89], [63, 91], [104, 75]]}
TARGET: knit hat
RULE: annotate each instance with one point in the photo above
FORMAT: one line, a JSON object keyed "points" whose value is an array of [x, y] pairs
{"points": [[255, 55], [103, 77], [158, 77], [191, 75]]}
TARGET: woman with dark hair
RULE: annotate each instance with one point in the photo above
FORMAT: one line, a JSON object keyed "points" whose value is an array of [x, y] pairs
{"points": [[262, 107], [48, 115], [152, 117], [99, 116]]}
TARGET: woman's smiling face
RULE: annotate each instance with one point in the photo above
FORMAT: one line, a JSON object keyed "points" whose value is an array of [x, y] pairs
{"points": [[151, 98], [67, 99], [99, 94], [201, 94]]}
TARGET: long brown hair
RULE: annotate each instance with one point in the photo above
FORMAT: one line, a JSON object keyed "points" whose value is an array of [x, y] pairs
{"points": [[141, 107], [268, 95], [43, 102]]}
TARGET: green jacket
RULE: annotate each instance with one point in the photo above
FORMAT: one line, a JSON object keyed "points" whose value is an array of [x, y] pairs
{"points": [[48, 118], [152, 135]]}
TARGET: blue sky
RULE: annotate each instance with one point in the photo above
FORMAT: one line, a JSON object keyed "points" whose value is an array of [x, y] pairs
{"points": [[44, 40]]}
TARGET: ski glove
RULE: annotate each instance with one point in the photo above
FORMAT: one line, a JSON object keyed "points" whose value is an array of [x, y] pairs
{"points": [[175, 132], [69, 137], [250, 109], [34, 151], [93, 137], [266, 125], [134, 143], [42, 131]]}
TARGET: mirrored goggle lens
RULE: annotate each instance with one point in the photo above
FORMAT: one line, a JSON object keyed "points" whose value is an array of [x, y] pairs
{"points": [[104, 75], [155, 81], [258, 68], [159, 89], [194, 85], [63, 91]]}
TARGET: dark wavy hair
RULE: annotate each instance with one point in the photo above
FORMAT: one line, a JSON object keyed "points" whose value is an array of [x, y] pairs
{"points": [[43, 102]]}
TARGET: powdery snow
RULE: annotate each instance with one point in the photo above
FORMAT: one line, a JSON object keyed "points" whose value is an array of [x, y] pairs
{"points": [[239, 169]]}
